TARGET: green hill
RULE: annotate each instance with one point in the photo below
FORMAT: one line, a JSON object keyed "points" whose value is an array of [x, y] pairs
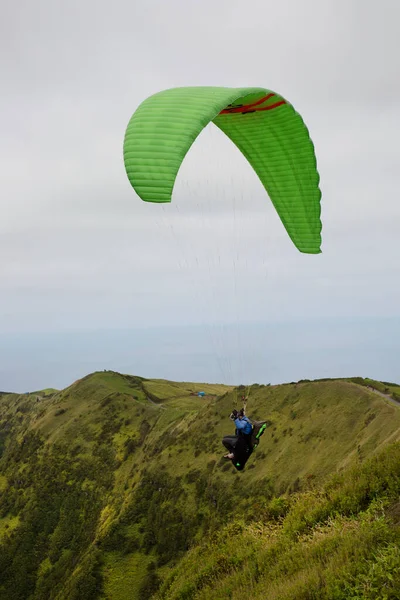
{"points": [[116, 486], [340, 542]]}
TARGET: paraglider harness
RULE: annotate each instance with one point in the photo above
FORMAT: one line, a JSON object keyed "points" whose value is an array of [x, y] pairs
{"points": [[246, 443]]}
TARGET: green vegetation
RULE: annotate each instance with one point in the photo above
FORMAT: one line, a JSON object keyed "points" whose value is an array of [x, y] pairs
{"points": [[391, 390], [339, 543], [115, 488]]}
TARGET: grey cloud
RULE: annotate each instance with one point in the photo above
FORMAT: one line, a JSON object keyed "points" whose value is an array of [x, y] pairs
{"points": [[79, 250]]}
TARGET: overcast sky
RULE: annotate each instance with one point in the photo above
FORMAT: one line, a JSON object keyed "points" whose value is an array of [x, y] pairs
{"points": [[209, 287]]}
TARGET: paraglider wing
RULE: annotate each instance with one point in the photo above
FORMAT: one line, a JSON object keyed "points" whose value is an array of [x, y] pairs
{"points": [[262, 124]]}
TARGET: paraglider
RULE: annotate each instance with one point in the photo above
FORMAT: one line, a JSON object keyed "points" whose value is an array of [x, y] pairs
{"points": [[271, 135], [262, 124], [246, 439]]}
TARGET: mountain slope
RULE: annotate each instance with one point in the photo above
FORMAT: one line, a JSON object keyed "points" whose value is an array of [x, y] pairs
{"points": [[106, 484], [338, 543]]}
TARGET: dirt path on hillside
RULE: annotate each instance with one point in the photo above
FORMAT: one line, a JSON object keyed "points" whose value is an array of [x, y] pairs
{"points": [[156, 403], [383, 395]]}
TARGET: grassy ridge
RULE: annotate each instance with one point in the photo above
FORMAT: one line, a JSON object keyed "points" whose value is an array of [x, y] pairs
{"points": [[339, 543], [111, 481]]}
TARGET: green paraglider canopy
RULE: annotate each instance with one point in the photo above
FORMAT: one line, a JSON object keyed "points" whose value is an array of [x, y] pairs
{"points": [[262, 124]]}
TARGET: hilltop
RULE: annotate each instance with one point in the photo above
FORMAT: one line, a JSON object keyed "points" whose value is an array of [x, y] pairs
{"points": [[106, 485]]}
